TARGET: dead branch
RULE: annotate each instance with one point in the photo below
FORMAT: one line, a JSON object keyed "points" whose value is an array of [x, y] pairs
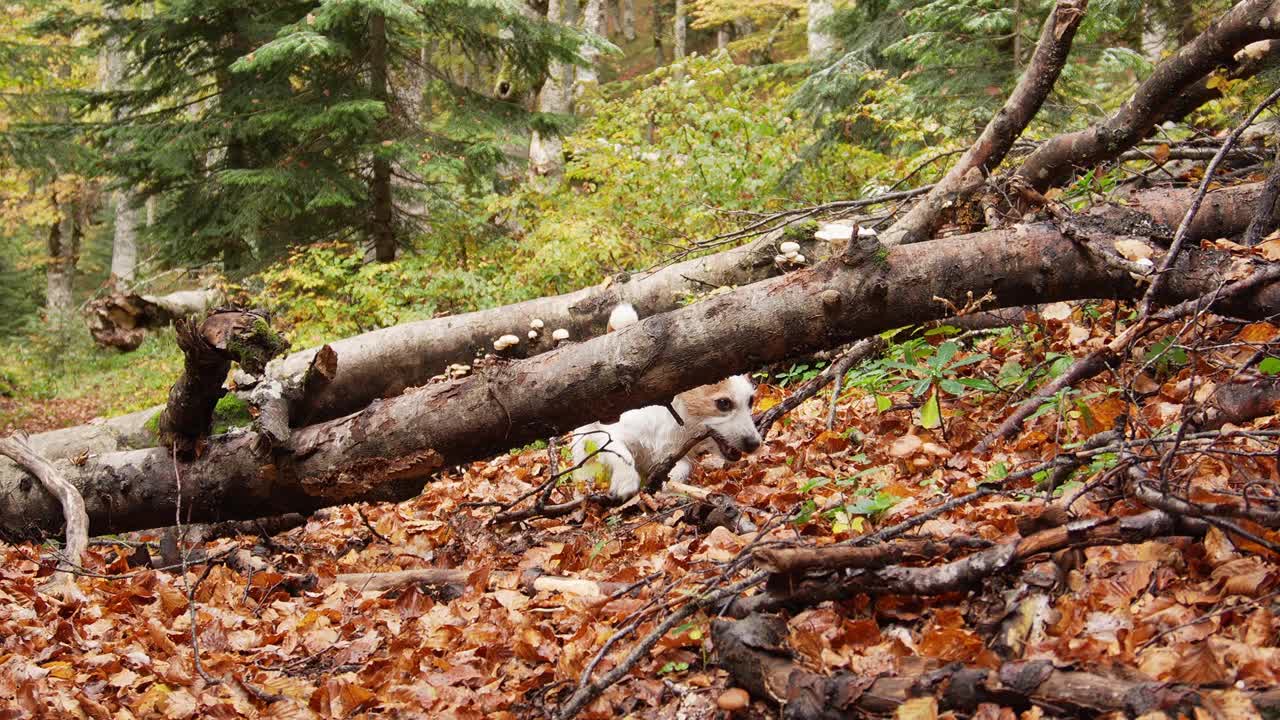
{"points": [[209, 349], [530, 581], [1157, 283], [753, 651], [969, 572], [796, 560], [1247, 22], [16, 448], [120, 320], [989, 150], [1099, 360], [856, 353]]}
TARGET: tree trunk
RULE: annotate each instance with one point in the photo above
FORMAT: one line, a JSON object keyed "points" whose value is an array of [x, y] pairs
{"points": [[659, 59], [629, 20], [546, 151], [680, 31], [821, 41], [64, 252], [389, 449], [382, 238], [722, 37], [124, 244], [593, 21]]}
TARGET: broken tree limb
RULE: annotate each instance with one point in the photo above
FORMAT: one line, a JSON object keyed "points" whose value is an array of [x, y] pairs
{"points": [[209, 349], [989, 150], [794, 560], [969, 572], [1247, 22], [17, 448], [530, 581], [754, 652], [121, 320], [389, 449], [1267, 217], [412, 359]]}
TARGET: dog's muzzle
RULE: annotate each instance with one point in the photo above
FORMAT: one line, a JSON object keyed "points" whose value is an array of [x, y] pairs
{"points": [[733, 452]]}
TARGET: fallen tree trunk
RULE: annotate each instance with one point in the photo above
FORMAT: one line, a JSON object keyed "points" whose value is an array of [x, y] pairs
{"points": [[383, 363], [389, 449], [121, 320]]}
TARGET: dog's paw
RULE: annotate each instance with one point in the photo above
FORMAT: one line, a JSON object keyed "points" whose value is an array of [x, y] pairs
{"points": [[625, 483]]}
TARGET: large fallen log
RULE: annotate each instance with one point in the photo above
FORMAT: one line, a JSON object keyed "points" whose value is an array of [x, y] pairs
{"points": [[382, 363], [389, 449]]}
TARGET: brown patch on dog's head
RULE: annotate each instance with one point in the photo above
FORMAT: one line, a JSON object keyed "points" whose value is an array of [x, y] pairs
{"points": [[701, 401]]}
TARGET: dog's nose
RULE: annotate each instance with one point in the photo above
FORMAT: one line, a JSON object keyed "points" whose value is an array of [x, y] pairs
{"points": [[751, 444]]}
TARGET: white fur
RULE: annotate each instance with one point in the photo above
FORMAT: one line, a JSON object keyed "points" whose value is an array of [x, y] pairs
{"points": [[627, 451]]}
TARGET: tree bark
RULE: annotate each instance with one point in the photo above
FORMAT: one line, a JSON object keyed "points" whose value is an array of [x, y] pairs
{"points": [[593, 21], [224, 337], [64, 253], [1054, 161], [382, 238], [988, 151], [821, 41], [124, 244], [389, 449]]}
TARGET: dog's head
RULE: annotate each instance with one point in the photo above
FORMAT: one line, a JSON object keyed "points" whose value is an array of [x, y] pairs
{"points": [[725, 409]]}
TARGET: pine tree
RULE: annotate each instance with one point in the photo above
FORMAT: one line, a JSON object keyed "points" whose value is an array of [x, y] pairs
{"points": [[263, 125]]}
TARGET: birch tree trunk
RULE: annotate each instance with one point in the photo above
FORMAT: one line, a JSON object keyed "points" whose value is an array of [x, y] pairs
{"points": [[629, 20], [821, 41], [124, 243], [681, 31], [546, 152]]}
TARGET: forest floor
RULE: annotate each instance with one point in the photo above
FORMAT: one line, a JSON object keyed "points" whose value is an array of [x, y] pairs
{"points": [[1180, 609]]}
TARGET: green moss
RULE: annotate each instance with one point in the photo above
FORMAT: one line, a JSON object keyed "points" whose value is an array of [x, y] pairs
{"points": [[258, 347], [231, 412], [800, 231], [153, 423]]}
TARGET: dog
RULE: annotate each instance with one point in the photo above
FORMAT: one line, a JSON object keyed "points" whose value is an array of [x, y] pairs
{"points": [[625, 453]]}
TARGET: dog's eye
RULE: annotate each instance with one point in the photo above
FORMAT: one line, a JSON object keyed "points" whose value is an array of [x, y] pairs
{"points": [[724, 404]]}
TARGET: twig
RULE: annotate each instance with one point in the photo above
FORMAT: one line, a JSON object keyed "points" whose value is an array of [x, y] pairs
{"points": [[191, 588], [837, 368]]}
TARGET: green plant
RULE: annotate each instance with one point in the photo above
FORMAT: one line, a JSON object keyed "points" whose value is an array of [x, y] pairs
{"points": [[937, 374]]}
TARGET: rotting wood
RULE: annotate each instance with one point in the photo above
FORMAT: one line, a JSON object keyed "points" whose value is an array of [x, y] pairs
{"points": [[209, 349], [121, 320], [968, 572]]}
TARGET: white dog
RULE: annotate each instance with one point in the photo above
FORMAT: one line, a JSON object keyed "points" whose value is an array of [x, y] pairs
{"points": [[624, 453]]}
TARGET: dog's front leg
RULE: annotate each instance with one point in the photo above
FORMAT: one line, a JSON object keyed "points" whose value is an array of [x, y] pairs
{"points": [[681, 471]]}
